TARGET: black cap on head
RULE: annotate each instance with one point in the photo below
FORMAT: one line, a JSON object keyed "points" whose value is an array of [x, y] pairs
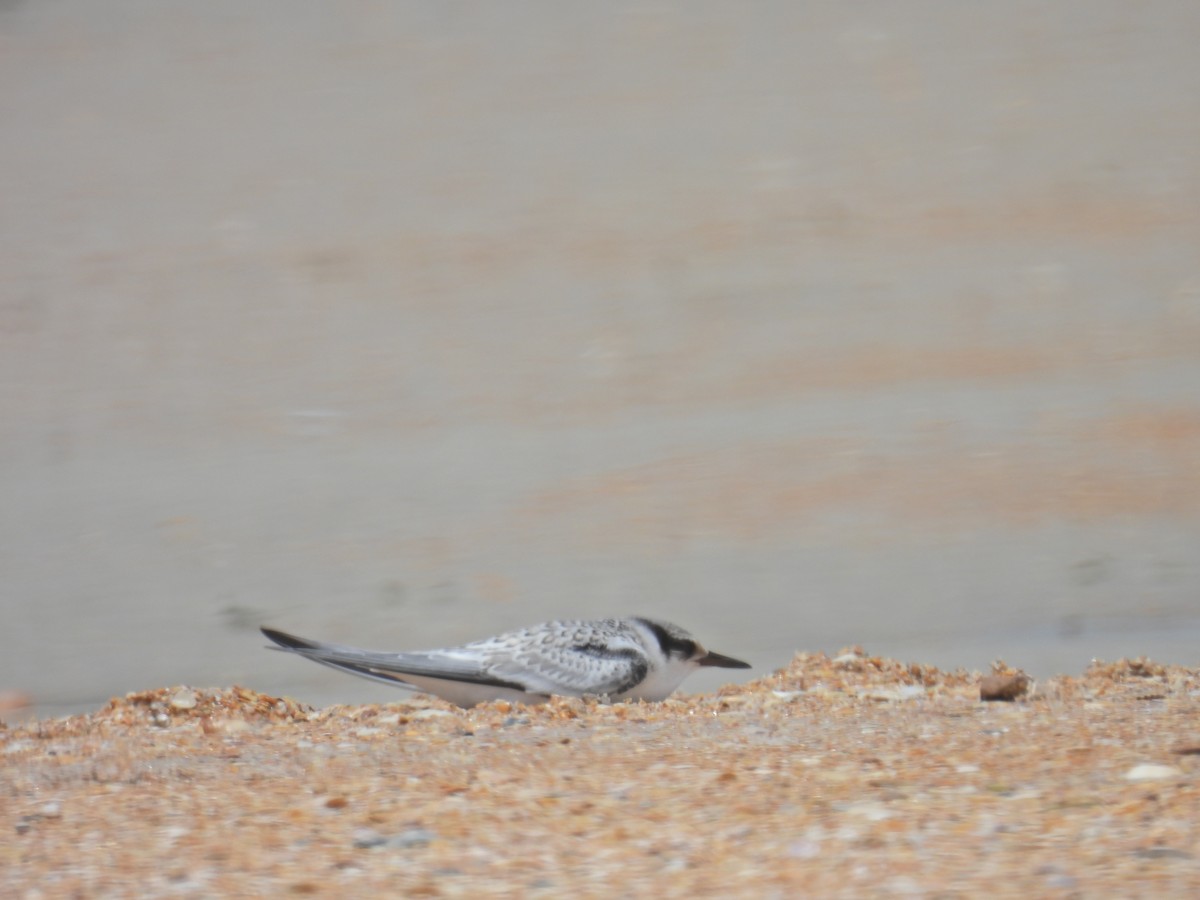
{"points": [[675, 642]]}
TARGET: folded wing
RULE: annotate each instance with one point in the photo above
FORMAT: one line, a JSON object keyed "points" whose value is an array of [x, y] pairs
{"points": [[390, 668], [573, 670]]}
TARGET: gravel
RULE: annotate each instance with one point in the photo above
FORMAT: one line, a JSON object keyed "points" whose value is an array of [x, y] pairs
{"points": [[845, 777]]}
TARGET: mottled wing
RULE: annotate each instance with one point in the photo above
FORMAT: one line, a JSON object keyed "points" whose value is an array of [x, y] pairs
{"points": [[568, 658]]}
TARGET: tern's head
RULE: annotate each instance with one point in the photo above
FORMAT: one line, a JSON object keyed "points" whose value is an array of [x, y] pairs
{"points": [[678, 646]]}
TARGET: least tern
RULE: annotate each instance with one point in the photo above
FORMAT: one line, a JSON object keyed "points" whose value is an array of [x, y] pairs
{"points": [[622, 659]]}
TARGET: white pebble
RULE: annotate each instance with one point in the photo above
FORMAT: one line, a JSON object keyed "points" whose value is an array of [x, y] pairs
{"points": [[1151, 772], [430, 713]]}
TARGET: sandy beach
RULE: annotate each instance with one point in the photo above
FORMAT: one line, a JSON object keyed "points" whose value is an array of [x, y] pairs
{"points": [[842, 776]]}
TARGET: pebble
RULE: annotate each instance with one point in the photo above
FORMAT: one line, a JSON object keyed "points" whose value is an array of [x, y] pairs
{"points": [[366, 838], [903, 885], [886, 695], [1152, 772], [1003, 687], [871, 811], [1161, 853], [183, 699], [804, 849], [51, 810], [413, 837], [1061, 881], [430, 714], [787, 695]]}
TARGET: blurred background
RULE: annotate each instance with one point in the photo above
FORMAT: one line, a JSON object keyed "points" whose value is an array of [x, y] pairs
{"points": [[399, 324]]}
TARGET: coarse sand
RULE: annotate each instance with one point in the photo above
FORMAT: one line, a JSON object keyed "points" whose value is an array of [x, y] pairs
{"points": [[849, 776]]}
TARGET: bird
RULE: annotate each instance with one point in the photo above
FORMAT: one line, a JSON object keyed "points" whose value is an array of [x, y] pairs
{"points": [[633, 658]]}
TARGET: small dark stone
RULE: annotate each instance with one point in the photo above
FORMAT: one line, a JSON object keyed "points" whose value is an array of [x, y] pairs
{"points": [[1161, 853]]}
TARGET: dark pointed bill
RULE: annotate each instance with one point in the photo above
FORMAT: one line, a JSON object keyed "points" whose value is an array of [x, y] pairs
{"points": [[721, 662]]}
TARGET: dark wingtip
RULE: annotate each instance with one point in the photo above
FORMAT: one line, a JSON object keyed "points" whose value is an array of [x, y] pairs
{"points": [[721, 661], [285, 640]]}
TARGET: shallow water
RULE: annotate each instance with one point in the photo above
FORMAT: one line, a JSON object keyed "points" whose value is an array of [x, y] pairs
{"points": [[402, 325]]}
